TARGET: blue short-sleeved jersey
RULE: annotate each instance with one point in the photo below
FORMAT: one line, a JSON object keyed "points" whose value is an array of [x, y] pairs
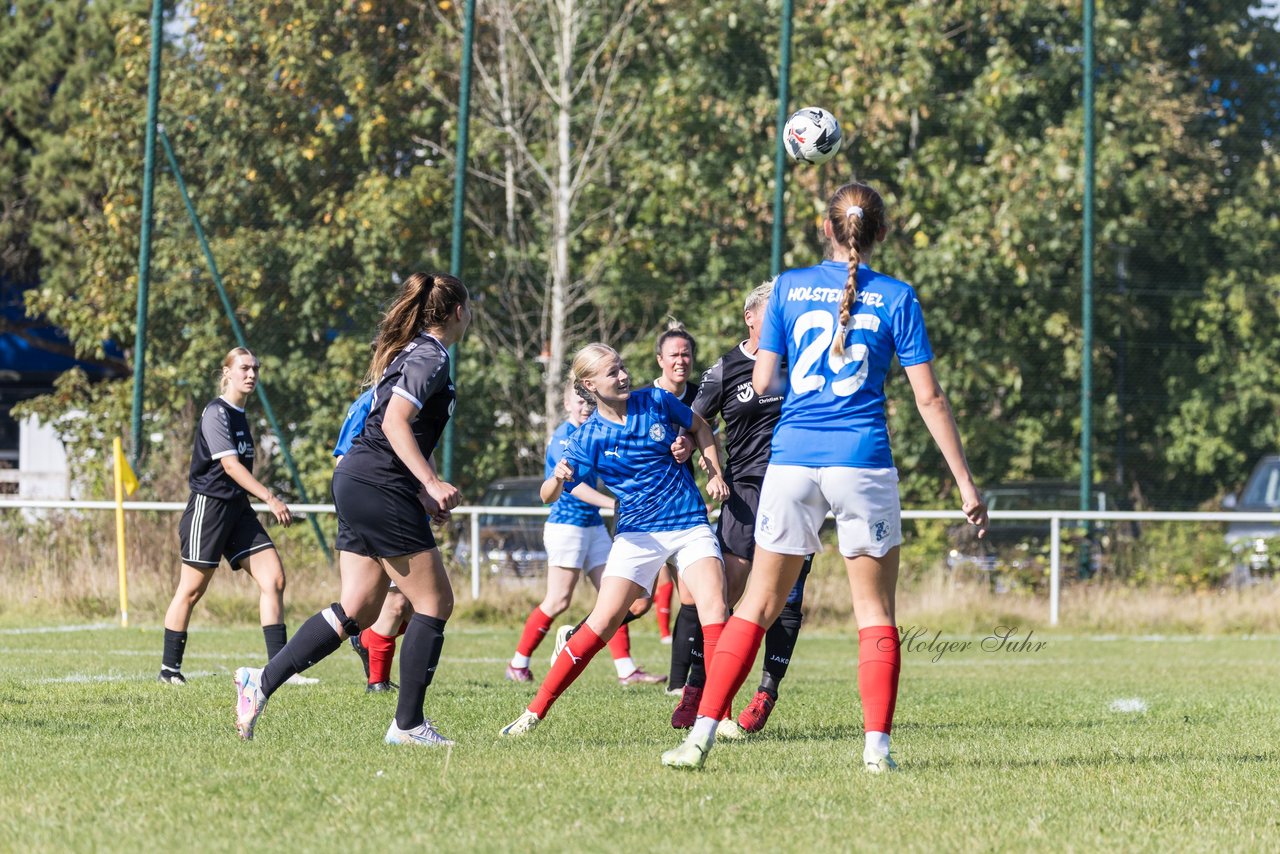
{"points": [[354, 423], [569, 510], [833, 414], [655, 493]]}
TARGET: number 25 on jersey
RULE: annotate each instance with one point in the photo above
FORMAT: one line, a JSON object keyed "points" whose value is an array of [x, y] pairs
{"points": [[804, 378]]}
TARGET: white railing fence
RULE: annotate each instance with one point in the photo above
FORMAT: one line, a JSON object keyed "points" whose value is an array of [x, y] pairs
{"points": [[1057, 519]]}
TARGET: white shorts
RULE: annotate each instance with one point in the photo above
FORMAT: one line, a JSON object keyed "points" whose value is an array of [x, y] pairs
{"points": [[575, 547], [638, 556], [795, 499]]}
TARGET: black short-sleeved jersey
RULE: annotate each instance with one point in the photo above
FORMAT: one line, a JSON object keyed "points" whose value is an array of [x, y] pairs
{"points": [[749, 418], [690, 394], [420, 374], [223, 431]]}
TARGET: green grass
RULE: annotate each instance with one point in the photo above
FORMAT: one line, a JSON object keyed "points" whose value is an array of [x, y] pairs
{"points": [[999, 751]]}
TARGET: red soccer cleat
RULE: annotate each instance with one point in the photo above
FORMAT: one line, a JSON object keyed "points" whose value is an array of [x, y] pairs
{"points": [[687, 712], [753, 717]]}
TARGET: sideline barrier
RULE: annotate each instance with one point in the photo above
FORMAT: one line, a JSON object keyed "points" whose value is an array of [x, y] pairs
{"points": [[1056, 519]]}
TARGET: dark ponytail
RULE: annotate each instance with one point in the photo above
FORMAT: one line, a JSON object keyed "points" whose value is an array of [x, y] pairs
{"points": [[425, 301]]}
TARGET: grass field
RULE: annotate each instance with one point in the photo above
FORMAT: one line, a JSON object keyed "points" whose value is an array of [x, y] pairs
{"points": [[1088, 743]]}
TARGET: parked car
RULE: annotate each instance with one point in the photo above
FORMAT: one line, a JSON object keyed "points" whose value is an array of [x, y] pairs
{"points": [[1248, 540], [1014, 552], [509, 545]]}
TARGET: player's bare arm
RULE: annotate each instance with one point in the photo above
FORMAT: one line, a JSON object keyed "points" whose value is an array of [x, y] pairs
{"points": [[935, 410], [250, 484], [396, 426]]}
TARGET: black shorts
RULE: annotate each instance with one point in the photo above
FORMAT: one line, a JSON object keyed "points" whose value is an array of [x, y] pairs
{"points": [[736, 529], [214, 528], [379, 521]]}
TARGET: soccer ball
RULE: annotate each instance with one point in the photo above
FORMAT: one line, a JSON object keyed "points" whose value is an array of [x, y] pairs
{"points": [[812, 135]]}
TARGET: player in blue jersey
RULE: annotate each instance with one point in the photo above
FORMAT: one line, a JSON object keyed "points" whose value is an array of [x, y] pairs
{"points": [[627, 443], [577, 543], [381, 489], [838, 326], [376, 645], [219, 522]]}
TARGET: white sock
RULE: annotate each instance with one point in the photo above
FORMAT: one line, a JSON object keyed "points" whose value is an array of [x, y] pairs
{"points": [[704, 728], [878, 743], [519, 660], [625, 666]]}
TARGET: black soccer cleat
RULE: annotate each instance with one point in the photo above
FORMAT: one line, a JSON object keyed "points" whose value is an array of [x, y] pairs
{"points": [[381, 687], [171, 677], [362, 652]]}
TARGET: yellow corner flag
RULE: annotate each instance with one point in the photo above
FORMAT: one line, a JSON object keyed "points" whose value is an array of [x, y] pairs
{"points": [[125, 480], [128, 479]]}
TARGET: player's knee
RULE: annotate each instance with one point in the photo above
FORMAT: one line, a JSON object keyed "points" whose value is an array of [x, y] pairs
{"points": [[336, 617], [554, 606]]}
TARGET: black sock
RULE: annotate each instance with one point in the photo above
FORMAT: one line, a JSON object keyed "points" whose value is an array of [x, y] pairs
{"points": [[779, 644], [684, 635], [697, 661], [275, 637], [631, 618], [175, 644], [419, 655], [314, 640]]}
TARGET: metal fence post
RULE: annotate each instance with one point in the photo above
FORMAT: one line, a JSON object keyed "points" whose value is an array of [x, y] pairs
{"points": [[475, 555], [1055, 568]]}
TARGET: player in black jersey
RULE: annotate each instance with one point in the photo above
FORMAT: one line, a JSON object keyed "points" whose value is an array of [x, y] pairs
{"points": [[381, 488], [219, 522], [749, 419]]}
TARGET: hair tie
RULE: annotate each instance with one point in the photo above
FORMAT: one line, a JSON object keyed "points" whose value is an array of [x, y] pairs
{"points": [[854, 210]]}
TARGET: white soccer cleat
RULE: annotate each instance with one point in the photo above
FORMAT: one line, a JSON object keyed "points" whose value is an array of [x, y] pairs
{"points": [[562, 640], [250, 701], [424, 734], [690, 754], [876, 763], [522, 725], [728, 730], [299, 679]]}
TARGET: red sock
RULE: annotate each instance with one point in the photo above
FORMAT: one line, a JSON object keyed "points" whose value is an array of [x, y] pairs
{"points": [[620, 643], [662, 608], [710, 638], [879, 662], [575, 657], [382, 650], [535, 629], [734, 645]]}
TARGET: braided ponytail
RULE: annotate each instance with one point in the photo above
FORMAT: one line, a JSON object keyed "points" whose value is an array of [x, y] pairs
{"points": [[857, 217]]}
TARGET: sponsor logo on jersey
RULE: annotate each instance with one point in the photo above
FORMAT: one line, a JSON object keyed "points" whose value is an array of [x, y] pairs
{"points": [[244, 449], [745, 392], [657, 433], [613, 453]]}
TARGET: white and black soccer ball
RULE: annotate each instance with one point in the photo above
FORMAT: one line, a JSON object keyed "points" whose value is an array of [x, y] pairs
{"points": [[812, 135]]}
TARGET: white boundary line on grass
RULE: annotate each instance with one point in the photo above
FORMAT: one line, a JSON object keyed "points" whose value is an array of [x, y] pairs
{"points": [[47, 630]]}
